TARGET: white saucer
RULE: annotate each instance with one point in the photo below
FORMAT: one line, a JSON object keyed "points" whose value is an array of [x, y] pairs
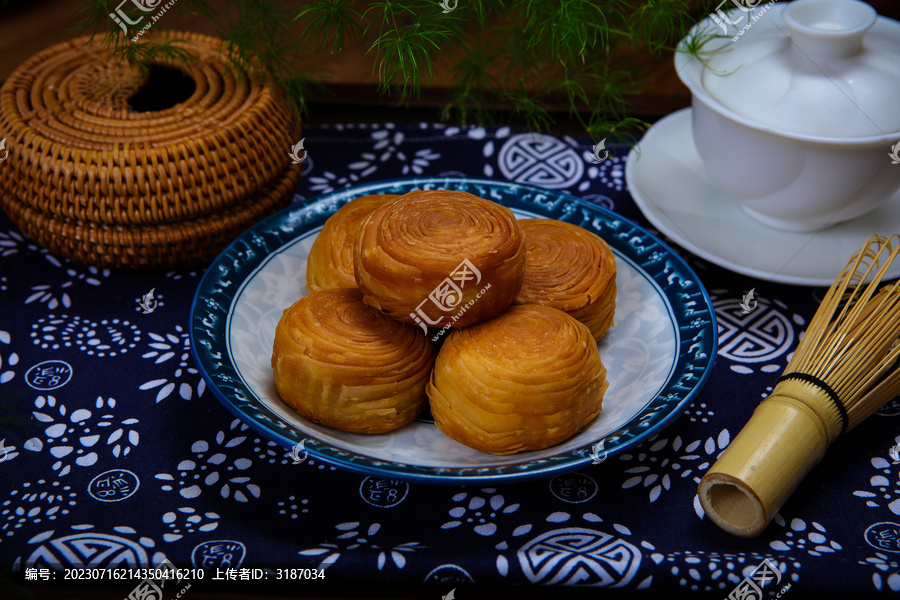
{"points": [[667, 179]]}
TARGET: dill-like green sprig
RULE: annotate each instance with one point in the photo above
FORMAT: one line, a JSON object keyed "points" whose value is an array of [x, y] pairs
{"points": [[696, 44], [330, 23], [527, 55], [410, 40]]}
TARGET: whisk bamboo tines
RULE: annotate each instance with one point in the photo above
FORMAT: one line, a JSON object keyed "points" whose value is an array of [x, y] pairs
{"points": [[844, 369]]}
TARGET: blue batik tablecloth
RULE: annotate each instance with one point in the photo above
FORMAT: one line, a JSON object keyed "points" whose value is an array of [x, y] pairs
{"points": [[116, 453]]}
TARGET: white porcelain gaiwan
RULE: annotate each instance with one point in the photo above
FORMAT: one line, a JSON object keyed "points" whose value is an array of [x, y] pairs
{"points": [[795, 113]]}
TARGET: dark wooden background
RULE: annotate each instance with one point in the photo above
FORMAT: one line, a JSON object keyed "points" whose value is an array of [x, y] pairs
{"points": [[29, 26]]}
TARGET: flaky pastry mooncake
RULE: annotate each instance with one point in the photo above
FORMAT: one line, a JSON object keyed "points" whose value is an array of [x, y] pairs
{"points": [[440, 258], [342, 363], [526, 380], [569, 268], [330, 262]]}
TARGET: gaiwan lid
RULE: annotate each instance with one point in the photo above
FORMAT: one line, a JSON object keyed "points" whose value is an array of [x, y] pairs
{"points": [[814, 68]]}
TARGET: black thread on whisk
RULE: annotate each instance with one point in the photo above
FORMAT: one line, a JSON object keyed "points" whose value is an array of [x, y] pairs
{"points": [[832, 395]]}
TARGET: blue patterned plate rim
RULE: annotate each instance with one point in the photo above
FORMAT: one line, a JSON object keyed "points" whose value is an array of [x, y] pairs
{"points": [[689, 301]]}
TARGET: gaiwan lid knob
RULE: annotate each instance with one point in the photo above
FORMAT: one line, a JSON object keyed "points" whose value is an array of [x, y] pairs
{"points": [[829, 29], [826, 68]]}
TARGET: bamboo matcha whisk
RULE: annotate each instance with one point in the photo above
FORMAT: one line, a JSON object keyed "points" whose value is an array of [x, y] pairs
{"points": [[844, 369]]}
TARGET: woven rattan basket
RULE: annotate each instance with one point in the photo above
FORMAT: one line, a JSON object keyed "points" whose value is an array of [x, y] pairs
{"points": [[97, 181]]}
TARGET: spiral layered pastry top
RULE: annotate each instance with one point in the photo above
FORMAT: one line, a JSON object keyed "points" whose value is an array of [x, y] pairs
{"points": [[440, 258], [330, 262], [569, 268], [341, 363], [526, 380]]}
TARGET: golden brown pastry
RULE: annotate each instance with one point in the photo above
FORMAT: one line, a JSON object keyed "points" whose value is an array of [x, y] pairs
{"points": [[569, 268], [342, 363], [440, 258], [526, 380], [330, 262]]}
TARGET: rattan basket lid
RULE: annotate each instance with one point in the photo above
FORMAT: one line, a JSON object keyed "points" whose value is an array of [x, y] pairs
{"points": [[79, 150]]}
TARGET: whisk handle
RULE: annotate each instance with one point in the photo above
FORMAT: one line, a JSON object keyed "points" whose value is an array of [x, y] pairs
{"points": [[783, 440]]}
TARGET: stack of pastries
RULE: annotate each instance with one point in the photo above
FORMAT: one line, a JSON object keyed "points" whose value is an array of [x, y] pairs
{"points": [[522, 304]]}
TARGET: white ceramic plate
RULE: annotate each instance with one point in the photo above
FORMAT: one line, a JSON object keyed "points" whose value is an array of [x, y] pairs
{"points": [[658, 354]]}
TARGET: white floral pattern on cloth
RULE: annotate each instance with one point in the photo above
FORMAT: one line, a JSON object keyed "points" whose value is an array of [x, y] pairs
{"points": [[886, 574], [272, 453], [387, 146], [12, 359], [610, 172], [885, 484], [762, 337], [710, 571], [351, 538], [187, 520], [330, 181], [36, 502], [57, 295], [75, 437], [164, 348], [210, 467], [481, 515], [490, 147], [176, 275], [800, 536], [479, 510], [699, 411], [13, 242], [487, 513], [85, 547], [107, 337], [671, 459], [293, 508]]}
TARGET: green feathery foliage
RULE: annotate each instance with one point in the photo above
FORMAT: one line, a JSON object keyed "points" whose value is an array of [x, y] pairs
{"points": [[525, 55]]}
